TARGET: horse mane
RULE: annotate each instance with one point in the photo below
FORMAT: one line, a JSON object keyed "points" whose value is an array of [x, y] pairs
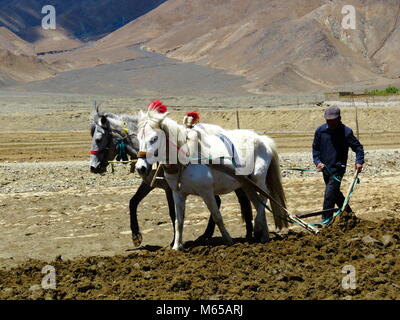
{"points": [[117, 121], [168, 125]]}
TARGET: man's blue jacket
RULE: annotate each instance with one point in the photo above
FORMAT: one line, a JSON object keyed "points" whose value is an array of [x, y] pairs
{"points": [[331, 147]]}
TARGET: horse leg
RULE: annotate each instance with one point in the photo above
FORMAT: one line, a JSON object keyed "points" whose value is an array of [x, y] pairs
{"points": [[208, 233], [211, 203], [246, 211], [260, 223], [171, 207], [162, 184], [179, 201], [143, 190]]}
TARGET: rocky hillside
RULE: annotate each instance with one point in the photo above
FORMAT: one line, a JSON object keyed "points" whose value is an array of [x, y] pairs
{"points": [[10, 41], [24, 68], [278, 45], [18, 60], [82, 19], [78, 21]]}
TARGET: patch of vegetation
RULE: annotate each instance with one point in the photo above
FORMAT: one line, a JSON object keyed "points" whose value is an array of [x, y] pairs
{"points": [[388, 90]]}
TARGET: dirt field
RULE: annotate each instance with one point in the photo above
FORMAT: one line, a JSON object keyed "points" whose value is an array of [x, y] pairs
{"points": [[58, 213], [74, 146], [293, 266]]}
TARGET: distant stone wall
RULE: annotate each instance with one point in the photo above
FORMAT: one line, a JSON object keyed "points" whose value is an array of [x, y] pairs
{"points": [[348, 99], [299, 120]]}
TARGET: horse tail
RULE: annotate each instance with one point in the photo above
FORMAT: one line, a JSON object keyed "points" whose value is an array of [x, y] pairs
{"points": [[275, 187]]}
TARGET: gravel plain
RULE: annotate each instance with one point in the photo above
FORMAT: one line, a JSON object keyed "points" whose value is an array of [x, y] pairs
{"points": [[22, 177]]}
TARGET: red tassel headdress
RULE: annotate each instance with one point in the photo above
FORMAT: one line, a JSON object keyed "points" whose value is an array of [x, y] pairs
{"points": [[195, 115], [158, 106]]}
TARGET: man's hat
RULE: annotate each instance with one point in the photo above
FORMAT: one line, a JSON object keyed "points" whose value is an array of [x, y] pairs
{"points": [[332, 113]]}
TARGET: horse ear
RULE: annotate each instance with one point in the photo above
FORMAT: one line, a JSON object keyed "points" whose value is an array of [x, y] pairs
{"points": [[95, 107]]}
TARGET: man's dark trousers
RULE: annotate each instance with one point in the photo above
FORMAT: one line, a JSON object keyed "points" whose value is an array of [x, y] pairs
{"points": [[333, 195]]}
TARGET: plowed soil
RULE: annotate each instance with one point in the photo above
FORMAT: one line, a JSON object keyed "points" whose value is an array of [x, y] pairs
{"points": [[292, 266]]}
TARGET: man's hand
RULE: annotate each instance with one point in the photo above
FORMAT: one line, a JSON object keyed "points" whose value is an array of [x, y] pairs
{"points": [[359, 167], [320, 166]]}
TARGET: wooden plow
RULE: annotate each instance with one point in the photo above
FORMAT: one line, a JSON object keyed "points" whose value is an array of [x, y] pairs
{"points": [[244, 179], [294, 218], [337, 211]]}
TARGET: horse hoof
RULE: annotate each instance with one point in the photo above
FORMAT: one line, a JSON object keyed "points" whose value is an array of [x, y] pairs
{"points": [[178, 248], [202, 239], [249, 237], [261, 237], [137, 239], [228, 242], [257, 236], [264, 239]]}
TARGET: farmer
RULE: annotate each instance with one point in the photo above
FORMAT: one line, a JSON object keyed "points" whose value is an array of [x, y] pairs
{"points": [[330, 151]]}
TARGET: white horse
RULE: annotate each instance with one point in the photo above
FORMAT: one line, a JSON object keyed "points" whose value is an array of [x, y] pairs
{"points": [[158, 133]]}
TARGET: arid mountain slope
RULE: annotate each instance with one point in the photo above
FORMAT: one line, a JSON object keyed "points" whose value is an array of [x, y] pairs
{"points": [[80, 19], [278, 45], [21, 34], [18, 60], [78, 23], [10, 41], [24, 68]]}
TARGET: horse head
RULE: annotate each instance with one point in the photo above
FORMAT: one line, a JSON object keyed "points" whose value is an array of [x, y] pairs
{"points": [[152, 140], [110, 138]]}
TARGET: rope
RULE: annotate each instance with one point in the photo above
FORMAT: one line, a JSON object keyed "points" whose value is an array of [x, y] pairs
{"points": [[301, 169], [315, 171], [284, 218], [346, 202], [341, 210], [270, 210], [338, 212], [332, 175]]}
